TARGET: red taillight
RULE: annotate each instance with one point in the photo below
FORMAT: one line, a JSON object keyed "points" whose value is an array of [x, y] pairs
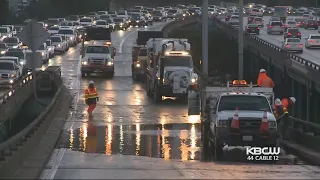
{"points": [[258, 28], [282, 26], [289, 34], [311, 41], [287, 25], [299, 33], [270, 26], [230, 19], [248, 28], [226, 16], [316, 24], [287, 45], [297, 24], [308, 24], [301, 45]]}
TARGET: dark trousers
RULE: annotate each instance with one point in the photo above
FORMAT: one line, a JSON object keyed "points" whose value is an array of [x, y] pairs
{"points": [[283, 124]]}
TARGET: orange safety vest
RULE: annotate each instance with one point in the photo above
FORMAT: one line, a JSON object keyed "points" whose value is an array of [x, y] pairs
{"points": [[278, 111], [285, 103], [90, 93], [264, 80]]}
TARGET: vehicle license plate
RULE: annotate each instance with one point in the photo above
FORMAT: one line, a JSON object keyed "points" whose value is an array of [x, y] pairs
{"points": [[247, 138]]}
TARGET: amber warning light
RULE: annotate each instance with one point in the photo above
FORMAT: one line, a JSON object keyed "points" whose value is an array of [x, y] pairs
{"points": [[239, 82]]}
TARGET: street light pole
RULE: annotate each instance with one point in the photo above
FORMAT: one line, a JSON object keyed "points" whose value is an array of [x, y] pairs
{"points": [[316, 10], [240, 41], [204, 13]]}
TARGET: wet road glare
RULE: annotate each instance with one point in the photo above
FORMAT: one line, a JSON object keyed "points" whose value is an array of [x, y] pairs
{"points": [[127, 128]]}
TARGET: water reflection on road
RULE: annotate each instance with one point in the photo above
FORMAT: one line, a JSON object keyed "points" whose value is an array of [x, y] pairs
{"points": [[168, 141]]}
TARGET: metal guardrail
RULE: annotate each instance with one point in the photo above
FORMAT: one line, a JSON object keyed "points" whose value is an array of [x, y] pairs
{"points": [[293, 57], [6, 96], [17, 140]]}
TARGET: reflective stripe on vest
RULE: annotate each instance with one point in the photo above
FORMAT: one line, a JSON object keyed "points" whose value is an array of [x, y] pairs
{"points": [[91, 94]]}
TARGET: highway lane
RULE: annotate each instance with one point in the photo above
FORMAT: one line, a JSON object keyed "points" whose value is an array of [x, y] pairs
{"points": [[276, 39], [126, 122]]}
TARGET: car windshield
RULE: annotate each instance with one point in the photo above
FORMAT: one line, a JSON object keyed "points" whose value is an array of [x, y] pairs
{"points": [[98, 49], [172, 11], [292, 22], [306, 15], [143, 52], [18, 54], [11, 40], [86, 20], [136, 10], [6, 66], [243, 102], [293, 30], [122, 13], [312, 21], [255, 10], [293, 40], [101, 23], [156, 13], [118, 20], [253, 26], [3, 30], [112, 12], [55, 28], [315, 37], [258, 19], [276, 24], [109, 21], [100, 13], [76, 23], [105, 16], [235, 17], [178, 61], [55, 39], [65, 31], [135, 17]]}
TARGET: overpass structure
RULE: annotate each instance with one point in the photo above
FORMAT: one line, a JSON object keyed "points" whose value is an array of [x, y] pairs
{"points": [[304, 68]]}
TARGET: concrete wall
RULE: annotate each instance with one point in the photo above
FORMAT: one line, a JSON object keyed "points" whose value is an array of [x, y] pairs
{"points": [[12, 105]]}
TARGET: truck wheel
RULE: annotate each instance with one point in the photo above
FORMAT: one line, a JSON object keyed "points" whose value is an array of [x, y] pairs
{"points": [[157, 97]]}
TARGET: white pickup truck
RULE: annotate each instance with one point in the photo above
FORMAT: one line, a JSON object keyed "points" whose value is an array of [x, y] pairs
{"points": [[252, 104]]}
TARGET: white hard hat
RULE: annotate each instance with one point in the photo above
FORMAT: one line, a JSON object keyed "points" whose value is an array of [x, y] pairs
{"points": [[91, 82], [262, 70], [278, 102], [293, 99]]}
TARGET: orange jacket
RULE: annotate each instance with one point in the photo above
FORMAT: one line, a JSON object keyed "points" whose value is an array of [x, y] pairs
{"points": [[285, 103], [264, 80]]}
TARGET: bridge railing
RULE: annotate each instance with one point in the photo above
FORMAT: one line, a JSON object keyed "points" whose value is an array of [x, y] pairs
{"points": [[20, 84], [16, 141], [301, 131], [293, 57]]}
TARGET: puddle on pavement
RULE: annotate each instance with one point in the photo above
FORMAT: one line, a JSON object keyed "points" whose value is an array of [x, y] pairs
{"points": [[168, 141]]}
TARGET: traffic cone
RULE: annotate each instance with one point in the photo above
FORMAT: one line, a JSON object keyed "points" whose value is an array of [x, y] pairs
{"points": [[264, 127], [235, 124]]}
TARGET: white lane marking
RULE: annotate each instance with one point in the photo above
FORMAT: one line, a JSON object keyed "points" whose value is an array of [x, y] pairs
{"points": [[61, 152], [56, 164], [124, 39]]}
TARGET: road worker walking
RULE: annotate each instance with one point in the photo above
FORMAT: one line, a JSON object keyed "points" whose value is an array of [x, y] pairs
{"points": [[91, 97], [264, 80], [281, 113]]}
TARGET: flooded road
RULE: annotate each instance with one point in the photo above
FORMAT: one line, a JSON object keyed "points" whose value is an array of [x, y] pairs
{"points": [[127, 128]]}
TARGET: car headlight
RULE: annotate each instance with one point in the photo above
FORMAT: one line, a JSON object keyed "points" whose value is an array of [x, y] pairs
{"points": [[14, 47], [121, 24], [42, 53], [84, 62], [138, 65], [184, 14], [22, 63], [59, 45], [12, 75], [193, 80], [71, 38], [46, 25], [272, 124], [110, 63], [2, 52]]}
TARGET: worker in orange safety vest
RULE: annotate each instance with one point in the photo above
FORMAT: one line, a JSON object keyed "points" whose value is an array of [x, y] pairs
{"points": [[264, 80], [285, 104], [91, 97]]}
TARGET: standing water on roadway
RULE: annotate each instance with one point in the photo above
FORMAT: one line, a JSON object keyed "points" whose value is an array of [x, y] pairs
{"points": [[168, 141]]}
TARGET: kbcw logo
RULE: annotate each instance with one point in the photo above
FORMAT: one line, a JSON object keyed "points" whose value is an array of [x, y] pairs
{"points": [[263, 154]]}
